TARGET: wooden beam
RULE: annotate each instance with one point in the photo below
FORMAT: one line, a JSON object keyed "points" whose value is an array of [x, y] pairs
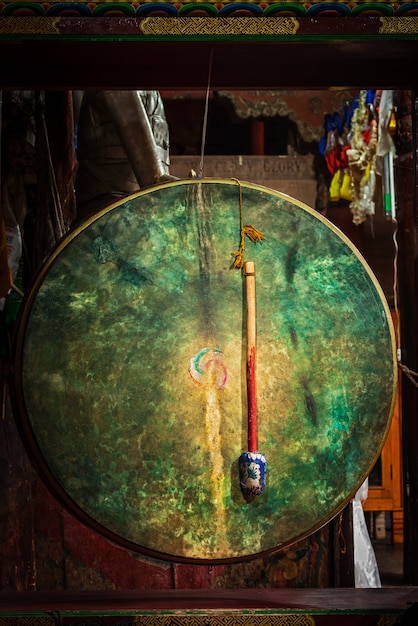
{"points": [[183, 65]]}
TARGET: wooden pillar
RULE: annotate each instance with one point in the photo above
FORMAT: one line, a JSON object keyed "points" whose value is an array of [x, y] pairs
{"points": [[257, 137], [406, 192]]}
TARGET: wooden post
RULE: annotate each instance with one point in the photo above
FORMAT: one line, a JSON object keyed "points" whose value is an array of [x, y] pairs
{"points": [[406, 192], [251, 355], [257, 137]]}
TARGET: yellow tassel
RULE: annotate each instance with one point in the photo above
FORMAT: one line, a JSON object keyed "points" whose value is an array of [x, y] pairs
{"points": [[392, 123], [252, 233]]}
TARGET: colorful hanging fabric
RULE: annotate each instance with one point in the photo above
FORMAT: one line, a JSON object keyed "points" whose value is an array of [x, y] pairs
{"points": [[361, 160], [351, 147]]}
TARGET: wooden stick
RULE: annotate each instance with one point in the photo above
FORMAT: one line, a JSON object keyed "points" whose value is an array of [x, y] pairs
{"points": [[252, 464], [249, 271]]}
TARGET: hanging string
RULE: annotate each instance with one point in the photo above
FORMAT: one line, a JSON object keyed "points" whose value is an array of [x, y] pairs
{"points": [[395, 281], [249, 230], [413, 376], [252, 233], [341, 539], [205, 116], [410, 374]]}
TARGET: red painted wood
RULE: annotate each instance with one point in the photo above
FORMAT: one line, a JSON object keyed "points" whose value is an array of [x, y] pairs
{"points": [[197, 576], [17, 563], [71, 556], [257, 137], [377, 601], [252, 402]]}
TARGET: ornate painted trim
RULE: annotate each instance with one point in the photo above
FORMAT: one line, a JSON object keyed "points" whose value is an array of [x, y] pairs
{"points": [[209, 8], [29, 25], [219, 26], [193, 28], [398, 26]]}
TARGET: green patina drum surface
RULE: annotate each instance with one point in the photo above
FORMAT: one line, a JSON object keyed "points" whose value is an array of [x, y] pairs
{"points": [[131, 370]]}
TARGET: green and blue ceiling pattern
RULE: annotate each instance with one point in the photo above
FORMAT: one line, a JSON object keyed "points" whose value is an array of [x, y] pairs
{"points": [[263, 8]]}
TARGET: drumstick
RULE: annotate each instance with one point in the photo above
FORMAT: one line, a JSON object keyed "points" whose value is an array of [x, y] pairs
{"points": [[249, 272], [252, 464]]}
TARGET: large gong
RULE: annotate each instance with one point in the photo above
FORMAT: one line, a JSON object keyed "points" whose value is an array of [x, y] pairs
{"points": [[130, 370]]}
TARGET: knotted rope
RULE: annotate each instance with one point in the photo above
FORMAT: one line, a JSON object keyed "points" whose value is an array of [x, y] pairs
{"points": [[248, 230]]}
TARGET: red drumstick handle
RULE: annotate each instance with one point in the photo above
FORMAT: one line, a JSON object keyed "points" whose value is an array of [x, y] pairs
{"points": [[252, 464], [249, 272]]}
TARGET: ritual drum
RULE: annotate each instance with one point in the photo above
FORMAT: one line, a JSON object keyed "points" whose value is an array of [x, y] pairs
{"points": [[131, 370]]}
